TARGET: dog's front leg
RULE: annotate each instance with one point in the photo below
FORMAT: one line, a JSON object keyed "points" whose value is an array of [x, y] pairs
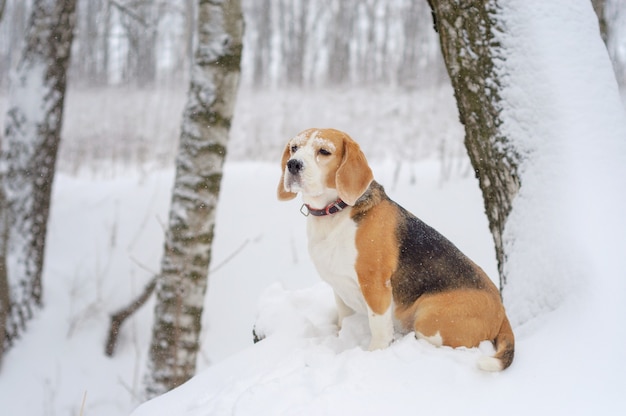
{"points": [[343, 310], [381, 327]]}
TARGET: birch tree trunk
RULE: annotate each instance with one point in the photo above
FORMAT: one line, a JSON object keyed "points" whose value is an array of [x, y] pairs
{"points": [[466, 30], [206, 123], [28, 155]]}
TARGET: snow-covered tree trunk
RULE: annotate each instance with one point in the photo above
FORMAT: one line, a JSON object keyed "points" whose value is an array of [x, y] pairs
{"points": [[598, 7], [470, 50], [610, 20], [206, 123], [28, 154]]}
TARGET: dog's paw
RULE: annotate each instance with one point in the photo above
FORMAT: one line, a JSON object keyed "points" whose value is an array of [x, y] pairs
{"points": [[379, 344]]}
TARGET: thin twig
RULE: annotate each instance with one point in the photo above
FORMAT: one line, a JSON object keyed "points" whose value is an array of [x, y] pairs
{"points": [[230, 257], [130, 13]]}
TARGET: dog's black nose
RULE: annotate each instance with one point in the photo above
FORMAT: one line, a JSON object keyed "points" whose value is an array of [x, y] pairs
{"points": [[294, 166]]}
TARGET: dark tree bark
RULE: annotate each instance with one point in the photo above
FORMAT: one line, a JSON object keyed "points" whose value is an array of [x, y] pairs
{"points": [[183, 280], [466, 30], [598, 7], [28, 154], [5, 299]]}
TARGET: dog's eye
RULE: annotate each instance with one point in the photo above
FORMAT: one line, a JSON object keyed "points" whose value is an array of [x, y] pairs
{"points": [[294, 148], [324, 152]]}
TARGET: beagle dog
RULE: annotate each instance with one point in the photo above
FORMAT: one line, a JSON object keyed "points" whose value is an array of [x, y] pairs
{"points": [[383, 261]]}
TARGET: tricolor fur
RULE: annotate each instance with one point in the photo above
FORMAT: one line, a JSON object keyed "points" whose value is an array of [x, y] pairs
{"points": [[382, 260]]}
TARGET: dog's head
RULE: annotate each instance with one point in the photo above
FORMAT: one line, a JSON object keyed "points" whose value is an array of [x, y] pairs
{"points": [[324, 164]]}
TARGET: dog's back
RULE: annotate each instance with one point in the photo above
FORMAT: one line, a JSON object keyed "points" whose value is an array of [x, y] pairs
{"points": [[437, 290]]}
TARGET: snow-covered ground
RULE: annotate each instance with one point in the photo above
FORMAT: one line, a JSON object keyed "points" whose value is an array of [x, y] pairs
{"points": [[110, 205], [567, 269], [566, 238], [105, 242]]}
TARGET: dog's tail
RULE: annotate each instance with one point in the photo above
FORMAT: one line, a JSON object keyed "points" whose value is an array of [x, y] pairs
{"points": [[505, 350]]}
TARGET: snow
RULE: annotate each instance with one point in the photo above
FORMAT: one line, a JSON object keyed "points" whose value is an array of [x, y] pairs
{"points": [[105, 242], [566, 265], [565, 295], [564, 112]]}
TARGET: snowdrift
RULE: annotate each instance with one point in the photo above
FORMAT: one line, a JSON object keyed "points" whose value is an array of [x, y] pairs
{"points": [[566, 239]]}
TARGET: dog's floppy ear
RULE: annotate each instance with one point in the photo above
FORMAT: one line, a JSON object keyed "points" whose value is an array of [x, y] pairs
{"points": [[354, 175], [283, 194]]}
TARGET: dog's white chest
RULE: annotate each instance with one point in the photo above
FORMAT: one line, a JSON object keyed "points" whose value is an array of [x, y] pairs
{"points": [[333, 251]]}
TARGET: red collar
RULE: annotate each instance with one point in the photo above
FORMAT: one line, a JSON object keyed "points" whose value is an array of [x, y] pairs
{"points": [[330, 209]]}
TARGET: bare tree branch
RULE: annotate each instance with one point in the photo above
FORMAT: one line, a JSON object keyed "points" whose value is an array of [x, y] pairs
{"points": [[119, 317], [130, 13]]}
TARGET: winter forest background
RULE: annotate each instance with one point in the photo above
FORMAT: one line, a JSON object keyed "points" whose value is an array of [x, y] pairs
{"points": [[130, 65], [373, 67]]}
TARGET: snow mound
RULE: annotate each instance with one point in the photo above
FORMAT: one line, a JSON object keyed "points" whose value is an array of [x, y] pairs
{"points": [[304, 367], [562, 109], [305, 312]]}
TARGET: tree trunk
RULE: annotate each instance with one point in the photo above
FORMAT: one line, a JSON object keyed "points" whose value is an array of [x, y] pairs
{"points": [[263, 43], [469, 49], [140, 21], [5, 300], [29, 151], [339, 42], [184, 268], [294, 18], [90, 60], [598, 7]]}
